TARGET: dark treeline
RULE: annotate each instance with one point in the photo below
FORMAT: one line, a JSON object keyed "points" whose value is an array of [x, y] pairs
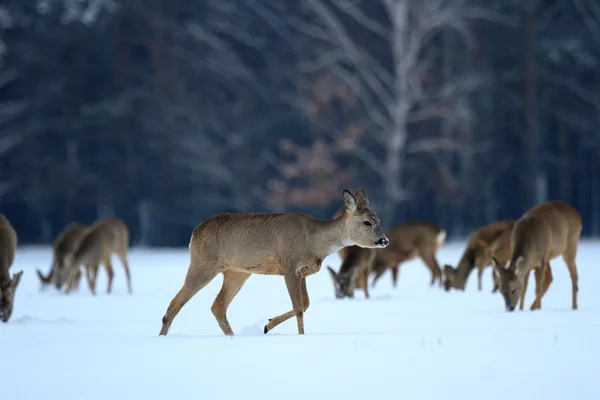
{"points": [[164, 113]]}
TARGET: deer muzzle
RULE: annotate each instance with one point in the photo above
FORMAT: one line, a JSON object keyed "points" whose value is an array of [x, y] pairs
{"points": [[383, 242]]}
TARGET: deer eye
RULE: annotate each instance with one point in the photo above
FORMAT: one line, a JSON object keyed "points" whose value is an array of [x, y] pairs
{"points": [[367, 223]]}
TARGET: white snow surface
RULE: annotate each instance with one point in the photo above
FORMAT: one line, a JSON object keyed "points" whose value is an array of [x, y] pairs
{"points": [[411, 342]]}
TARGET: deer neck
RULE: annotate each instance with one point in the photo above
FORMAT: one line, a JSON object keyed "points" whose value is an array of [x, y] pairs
{"points": [[466, 265], [330, 237]]}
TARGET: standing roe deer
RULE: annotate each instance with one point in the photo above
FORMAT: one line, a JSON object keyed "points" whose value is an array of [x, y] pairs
{"points": [[357, 263], [408, 241], [289, 244], [492, 240], [65, 245], [104, 238], [8, 286], [546, 231]]}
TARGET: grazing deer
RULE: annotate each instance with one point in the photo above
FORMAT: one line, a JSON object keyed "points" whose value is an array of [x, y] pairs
{"points": [[492, 240], [289, 244], [354, 271], [65, 245], [104, 238], [357, 263], [408, 241], [8, 286], [546, 231]]}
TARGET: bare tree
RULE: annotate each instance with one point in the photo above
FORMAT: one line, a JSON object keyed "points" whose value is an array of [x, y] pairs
{"points": [[395, 97], [9, 136]]}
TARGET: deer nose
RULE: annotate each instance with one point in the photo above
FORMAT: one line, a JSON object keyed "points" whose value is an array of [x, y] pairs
{"points": [[512, 308], [383, 242], [2, 316]]}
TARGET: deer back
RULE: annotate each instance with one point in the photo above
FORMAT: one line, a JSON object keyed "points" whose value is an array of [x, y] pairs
{"points": [[543, 233], [102, 239]]}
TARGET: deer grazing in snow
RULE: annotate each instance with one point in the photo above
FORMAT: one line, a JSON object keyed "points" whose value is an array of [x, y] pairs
{"points": [[64, 246], [492, 240], [105, 237], [8, 286], [293, 245], [357, 263], [408, 241], [546, 231]]}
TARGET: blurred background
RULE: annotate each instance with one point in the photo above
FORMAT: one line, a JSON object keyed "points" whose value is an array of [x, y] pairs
{"points": [[166, 112]]}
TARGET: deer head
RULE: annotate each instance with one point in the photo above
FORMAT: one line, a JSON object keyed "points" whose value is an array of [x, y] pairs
{"points": [[63, 271], [362, 224], [509, 281], [343, 283], [7, 296]]}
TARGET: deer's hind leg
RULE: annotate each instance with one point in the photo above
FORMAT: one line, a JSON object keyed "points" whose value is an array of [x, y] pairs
{"points": [[569, 258], [232, 283], [122, 254], [428, 257], [197, 277], [480, 270], [302, 298], [91, 273], [109, 271]]}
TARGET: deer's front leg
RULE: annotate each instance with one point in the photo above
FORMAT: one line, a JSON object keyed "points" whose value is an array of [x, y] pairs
{"points": [[305, 302]]}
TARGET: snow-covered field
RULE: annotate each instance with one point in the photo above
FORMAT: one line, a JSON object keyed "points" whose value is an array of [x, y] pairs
{"points": [[413, 342]]}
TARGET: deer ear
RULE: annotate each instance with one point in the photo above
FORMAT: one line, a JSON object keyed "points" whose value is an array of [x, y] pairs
{"points": [[16, 279], [499, 268], [519, 265], [332, 272], [349, 202], [361, 198]]}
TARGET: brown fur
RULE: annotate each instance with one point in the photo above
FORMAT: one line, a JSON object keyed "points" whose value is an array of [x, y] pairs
{"points": [[357, 263], [492, 240], [289, 244], [104, 238], [543, 233], [408, 241], [64, 246], [8, 286]]}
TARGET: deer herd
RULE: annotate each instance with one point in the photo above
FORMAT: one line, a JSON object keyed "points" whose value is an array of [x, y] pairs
{"points": [[294, 245]]}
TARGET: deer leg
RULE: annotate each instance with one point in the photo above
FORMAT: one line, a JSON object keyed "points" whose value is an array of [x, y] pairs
{"points": [[123, 258], [232, 283], [77, 279], [378, 273], [109, 272], [90, 275], [569, 258], [524, 290], [273, 322], [479, 276], [364, 282], [428, 257], [395, 270], [191, 286], [543, 279]]}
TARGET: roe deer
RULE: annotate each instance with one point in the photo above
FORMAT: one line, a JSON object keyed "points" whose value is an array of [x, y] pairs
{"points": [[8, 286], [492, 240], [104, 238], [408, 241], [355, 269], [65, 245], [546, 231], [289, 244]]}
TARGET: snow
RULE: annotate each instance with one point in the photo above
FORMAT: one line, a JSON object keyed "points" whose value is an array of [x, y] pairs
{"points": [[413, 342]]}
